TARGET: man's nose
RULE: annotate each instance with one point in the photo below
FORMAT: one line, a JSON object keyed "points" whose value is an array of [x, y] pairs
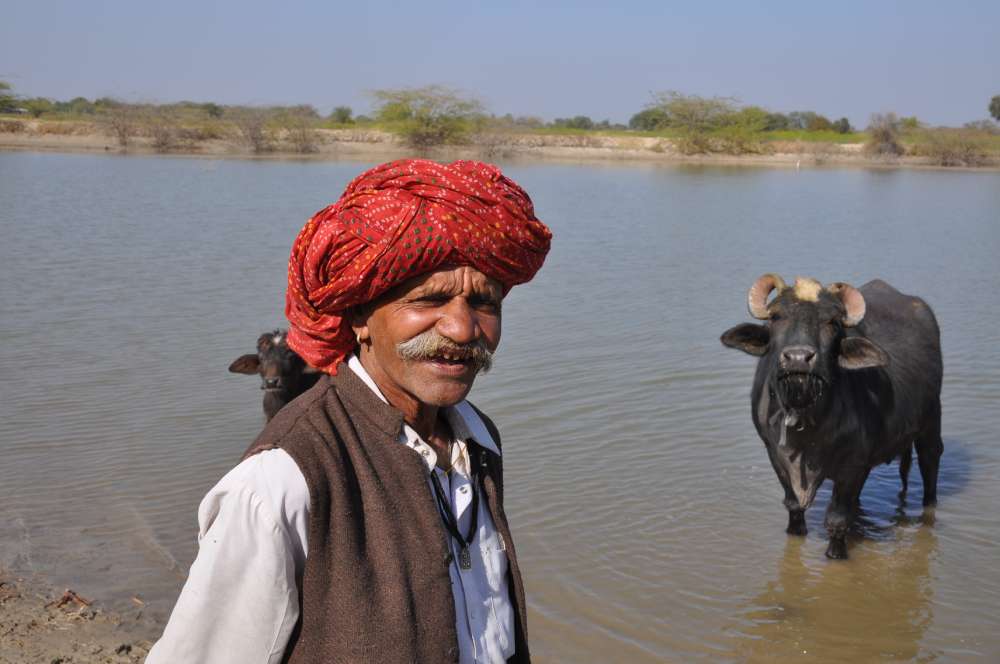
{"points": [[459, 322]]}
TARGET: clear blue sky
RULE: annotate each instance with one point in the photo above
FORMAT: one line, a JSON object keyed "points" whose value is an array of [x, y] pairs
{"points": [[937, 60]]}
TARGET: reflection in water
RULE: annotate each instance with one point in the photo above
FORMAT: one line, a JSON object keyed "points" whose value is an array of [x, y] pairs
{"points": [[876, 606]]}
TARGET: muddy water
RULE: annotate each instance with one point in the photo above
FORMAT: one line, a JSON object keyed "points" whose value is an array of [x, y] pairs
{"points": [[648, 518]]}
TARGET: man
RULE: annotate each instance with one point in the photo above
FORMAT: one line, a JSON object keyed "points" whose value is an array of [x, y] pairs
{"points": [[366, 522]]}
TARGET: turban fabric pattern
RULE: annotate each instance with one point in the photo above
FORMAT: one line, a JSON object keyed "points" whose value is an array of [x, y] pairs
{"points": [[397, 221]]}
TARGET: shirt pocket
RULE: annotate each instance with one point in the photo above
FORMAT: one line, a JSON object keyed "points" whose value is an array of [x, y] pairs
{"points": [[495, 557]]}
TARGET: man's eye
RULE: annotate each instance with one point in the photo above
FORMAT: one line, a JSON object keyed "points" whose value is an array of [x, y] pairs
{"points": [[485, 304]]}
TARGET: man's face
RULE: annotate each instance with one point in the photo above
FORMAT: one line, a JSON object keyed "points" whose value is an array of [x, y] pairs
{"points": [[449, 317]]}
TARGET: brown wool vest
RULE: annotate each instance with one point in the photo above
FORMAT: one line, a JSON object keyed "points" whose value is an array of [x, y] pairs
{"points": [[376, 586]]}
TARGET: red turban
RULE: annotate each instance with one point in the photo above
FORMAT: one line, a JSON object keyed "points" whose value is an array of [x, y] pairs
{"points": [[395, 222]]}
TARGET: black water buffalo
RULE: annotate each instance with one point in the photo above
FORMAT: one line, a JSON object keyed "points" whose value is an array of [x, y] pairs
{"points": [[847, 379], [284, 375]]}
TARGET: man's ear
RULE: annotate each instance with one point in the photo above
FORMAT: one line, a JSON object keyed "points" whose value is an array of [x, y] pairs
{"points": [[860, 353], [245, 364], [358, 318], [747, 337]]}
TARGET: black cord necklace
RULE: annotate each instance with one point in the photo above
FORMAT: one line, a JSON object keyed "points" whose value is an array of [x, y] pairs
{"points": [[451, 524]]}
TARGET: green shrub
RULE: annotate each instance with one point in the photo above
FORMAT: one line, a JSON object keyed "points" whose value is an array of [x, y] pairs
{"points": [[693, 142], [341, 115], [649, 119], [429, 116], [578, 122], [956, 147], [736, 139], [842, 126]]}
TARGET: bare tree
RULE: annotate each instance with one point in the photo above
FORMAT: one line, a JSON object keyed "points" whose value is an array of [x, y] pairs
{"points": [[121, 121], [691, 112], [162, 127], [300, 130], [251, 127], [883, 136]]}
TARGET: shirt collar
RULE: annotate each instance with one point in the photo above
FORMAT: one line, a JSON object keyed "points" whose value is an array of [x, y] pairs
{"points": [[465, 422]]}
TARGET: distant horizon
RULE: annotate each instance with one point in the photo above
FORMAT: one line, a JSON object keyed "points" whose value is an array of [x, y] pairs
{"points": [[554, 60]]}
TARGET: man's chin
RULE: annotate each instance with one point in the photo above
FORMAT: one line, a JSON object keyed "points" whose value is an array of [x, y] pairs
{"points": [[442, 388]]}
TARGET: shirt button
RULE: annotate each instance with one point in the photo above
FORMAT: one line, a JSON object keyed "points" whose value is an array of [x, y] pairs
{"points": [[425, 452]]}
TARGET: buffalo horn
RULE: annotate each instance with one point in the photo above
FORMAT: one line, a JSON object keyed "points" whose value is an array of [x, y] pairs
{"points": [[853, 301], [757, 297]]}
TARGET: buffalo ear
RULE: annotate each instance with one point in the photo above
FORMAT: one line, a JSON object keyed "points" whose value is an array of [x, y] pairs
{"points": [[245, 364], [860, 353], [747, 337]]}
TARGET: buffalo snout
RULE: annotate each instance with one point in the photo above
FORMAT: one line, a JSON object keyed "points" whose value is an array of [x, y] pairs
{"points": [[798, 358]]}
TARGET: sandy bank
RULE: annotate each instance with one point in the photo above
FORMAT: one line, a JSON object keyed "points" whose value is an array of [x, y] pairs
{"points": [[43, 624], [372, 145]]}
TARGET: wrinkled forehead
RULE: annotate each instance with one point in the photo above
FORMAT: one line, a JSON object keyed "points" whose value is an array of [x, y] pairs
{"points": [[452, 280]]}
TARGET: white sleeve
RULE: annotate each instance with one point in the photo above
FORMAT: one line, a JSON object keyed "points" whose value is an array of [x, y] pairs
{"points": [[241, 599]]}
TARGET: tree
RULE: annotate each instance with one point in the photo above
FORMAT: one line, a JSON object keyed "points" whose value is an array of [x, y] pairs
{"points": [[748, 118], [576, 122], [691, 112], [38, 106], [809, 120], [649, 119], [842, 126], [776, 122], [251, 127], [995, 108], [161, 125], [299, 125], [122, 122], [212, 110], [341, 114], [8, 100], [428, 116]]}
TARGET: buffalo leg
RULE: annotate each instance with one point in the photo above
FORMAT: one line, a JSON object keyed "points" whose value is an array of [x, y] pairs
{"points": [[796, 522], [905, 460], [840, 512], [929, 449], [796, 515]]}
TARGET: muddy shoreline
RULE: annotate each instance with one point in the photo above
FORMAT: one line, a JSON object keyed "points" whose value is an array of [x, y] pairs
{"points": [[370, 145], [41, 623]]}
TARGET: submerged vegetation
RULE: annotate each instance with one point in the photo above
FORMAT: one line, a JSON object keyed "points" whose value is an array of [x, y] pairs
{"points": [[432, 116]]}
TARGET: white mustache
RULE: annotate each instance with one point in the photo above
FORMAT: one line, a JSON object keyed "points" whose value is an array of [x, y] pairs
{"points": [[430, 344]]}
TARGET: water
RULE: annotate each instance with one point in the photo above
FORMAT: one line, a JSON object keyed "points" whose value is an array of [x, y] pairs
{"points": [[648, 519]]}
